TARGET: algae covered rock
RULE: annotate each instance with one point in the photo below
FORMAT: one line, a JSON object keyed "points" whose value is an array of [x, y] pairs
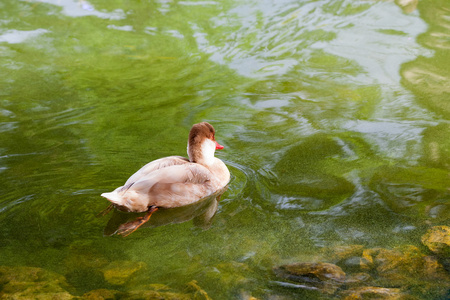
{"points": [[343, 253], [119, 272], [84, 259], [32, 283], [411, 190], [82, 266], [433, 269], [85, 279], [405, 265], [199, 292], [147, 291], [155, 295], [370, 292], [229, 273], [370, 273], [156, 292], [325, 277], [397, 265], [102, 294], [367, 259], [357, 279], [394, 266], [437, 239]]}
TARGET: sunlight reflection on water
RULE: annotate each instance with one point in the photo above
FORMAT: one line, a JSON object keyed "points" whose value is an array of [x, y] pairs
{"points": [[77, 8], [17, 36]]}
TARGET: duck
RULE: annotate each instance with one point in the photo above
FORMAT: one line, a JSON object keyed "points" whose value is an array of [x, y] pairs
{"points": [[173, 181]]}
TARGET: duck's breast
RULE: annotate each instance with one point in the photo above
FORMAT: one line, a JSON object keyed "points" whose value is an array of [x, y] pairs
{"points": [[220, 172]]}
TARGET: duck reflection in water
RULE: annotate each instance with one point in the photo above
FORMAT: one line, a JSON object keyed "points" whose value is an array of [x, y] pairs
{"points": [[201, 212]]}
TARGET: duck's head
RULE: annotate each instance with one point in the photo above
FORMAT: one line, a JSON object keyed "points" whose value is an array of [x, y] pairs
{"points": [[202, 143]]}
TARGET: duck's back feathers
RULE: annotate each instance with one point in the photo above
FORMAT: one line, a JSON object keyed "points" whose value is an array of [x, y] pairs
{"points": [[155, 165], [169, 186]]}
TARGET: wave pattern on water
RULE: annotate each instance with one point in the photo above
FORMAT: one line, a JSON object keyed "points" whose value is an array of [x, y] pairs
{"points": [[333, 115]]}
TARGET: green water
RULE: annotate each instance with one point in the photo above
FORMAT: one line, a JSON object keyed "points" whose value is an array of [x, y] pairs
{"points": [[333, 114]]}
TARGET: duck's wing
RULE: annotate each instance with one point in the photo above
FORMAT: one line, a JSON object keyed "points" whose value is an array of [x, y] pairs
{"points": [[187, 174], [173, 186], [153, 166]]}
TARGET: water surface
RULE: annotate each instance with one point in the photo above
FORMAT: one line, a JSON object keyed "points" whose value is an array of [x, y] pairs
{"points": [[333, 114]]}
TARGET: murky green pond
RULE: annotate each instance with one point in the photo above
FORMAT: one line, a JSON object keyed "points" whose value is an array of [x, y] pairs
{"points": [[334, 115]]}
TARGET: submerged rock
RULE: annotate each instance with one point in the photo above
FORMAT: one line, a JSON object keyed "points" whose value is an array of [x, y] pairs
{"points": [[85, 259], [406, 266], [374, 273], [399, 264], [102, 294], [325, 277], [395, 267], [148, 291], [199, 292], [82, 266], [367, 259], [32, 283], [410, 190], [138, 295], [437, 239], [358, 279], [370, 292], [152, 292], [86, 279], [230, 273], [348, 255], [119, 272], [345, 252], [433, 269]]}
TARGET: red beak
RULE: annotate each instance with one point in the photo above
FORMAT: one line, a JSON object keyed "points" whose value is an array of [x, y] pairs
{"points": [[218, 146]]}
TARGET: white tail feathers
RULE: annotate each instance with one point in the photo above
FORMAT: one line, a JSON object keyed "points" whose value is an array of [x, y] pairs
{"points": [[114, 197]]}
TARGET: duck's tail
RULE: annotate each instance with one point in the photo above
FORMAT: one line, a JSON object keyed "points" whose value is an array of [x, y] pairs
{"points": [[114, 198]]}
